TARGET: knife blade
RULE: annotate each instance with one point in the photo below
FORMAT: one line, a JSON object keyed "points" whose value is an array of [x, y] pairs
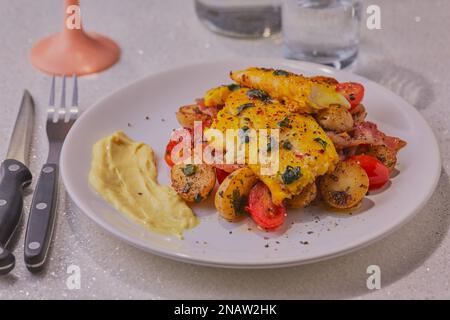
{"points": [[14, 177]]}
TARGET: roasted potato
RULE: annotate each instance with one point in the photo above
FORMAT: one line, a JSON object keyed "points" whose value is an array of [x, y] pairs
{"points": [[188, 114], [345, 187], [304, 198], [231, 197], [335, 118], [386, 155], [359, 114], [193, 182], [217, 96]]}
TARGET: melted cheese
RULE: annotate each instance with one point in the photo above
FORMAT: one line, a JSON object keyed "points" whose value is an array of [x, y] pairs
{"points": [[302, 142]]}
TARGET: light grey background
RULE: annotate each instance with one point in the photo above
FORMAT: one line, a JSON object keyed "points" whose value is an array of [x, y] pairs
{"points": [[410, 55]]}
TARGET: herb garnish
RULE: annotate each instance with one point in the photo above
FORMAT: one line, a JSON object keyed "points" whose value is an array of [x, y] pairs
{"points": [[291, 174], [243, 134], [198, 198], [281, 73], [258, 94], [287, 145], [322, 142], [238, 202], [189, 170], [244, 106], [286, 122], [271, 144], [233, 87]]}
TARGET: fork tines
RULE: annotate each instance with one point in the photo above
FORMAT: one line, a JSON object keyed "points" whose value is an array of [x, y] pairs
{"points": [[56, 114]]}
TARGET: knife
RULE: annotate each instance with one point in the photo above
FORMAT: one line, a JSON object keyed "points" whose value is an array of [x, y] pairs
{"points": [[14, 178]]}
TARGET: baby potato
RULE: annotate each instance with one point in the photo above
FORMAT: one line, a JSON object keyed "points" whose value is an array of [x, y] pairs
{"points": [[188, 114], [359, 114], [193, 182], [335, 118], [231, 197], [304, 198], [345, 187], [386, 155]]}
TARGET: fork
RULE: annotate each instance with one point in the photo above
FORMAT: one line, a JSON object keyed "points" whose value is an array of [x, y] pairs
{"points": [[42, 215]]}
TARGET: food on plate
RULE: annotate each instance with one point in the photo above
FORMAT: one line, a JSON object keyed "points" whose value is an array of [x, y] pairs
{"points": [[193, 182], [335, 118], [232, 196], [305, 151], [263, 210], [345, 187], [273, 141], [124, 173], [187, 115], [327, 150], [386, 155], [304, 198], [299, 93], [377, 172]]}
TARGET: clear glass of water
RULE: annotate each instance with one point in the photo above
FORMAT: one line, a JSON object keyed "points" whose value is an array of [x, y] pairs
{"points": [[240, 18], [322, 31]]}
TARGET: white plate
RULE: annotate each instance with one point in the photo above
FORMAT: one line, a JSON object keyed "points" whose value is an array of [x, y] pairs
{"points": [[310, 235]]}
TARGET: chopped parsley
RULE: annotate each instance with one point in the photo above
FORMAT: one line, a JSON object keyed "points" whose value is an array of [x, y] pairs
{"points": [[287, 145], [281, 73], [198, 198], [238, 202], [271, 144], [244, 106], [322, 142], [258, 94], [233, 87], [291, 174], [189, 170], [286, 123], [243, 134]]}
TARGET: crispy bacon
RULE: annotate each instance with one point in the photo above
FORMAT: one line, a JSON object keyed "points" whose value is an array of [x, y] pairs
{"points": [[365, 133], [210, 111], [368, 133]]}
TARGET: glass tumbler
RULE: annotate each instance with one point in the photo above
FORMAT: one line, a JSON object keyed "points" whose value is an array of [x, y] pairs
{"points": [[240, 18], [321, 31]]}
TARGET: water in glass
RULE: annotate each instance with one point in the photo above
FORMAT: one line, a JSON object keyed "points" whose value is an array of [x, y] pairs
{"points": [[321, 31]]}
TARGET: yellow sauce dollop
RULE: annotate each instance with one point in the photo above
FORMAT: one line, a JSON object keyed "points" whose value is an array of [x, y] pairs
{"points": [[124, 173]]}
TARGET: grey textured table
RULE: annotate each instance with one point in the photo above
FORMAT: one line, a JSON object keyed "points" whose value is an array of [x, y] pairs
{"points": [[410, 55]]}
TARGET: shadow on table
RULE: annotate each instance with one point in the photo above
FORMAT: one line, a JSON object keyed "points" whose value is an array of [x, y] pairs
{"points": [[344, 277], [413, 87]]}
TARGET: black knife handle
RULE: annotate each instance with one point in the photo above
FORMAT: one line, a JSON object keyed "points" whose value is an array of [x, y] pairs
{"points": [[41, 218], [7, 261], [14, 177]]}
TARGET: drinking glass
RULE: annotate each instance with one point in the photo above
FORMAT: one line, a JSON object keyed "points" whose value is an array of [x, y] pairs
{"points": [[240, 18], [322, 31]]}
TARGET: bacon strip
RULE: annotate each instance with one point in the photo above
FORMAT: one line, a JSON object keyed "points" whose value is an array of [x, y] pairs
{"points": [[365, 133], [210, 111]]}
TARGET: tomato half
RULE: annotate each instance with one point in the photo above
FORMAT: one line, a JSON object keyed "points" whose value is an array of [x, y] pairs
{"points": [[168, 154], [221, 175], [261, 208], [378, 173], [172, 143], [353, 92]]}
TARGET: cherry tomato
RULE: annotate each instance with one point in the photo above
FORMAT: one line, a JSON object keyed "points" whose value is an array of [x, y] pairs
{"points": [[167, 155], [353, 92], [378, 173], [171, 144], [221, 175], [261, 208]]}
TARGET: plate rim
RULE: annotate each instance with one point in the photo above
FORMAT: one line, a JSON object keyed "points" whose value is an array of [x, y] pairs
{"points": [[286, 262]]}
